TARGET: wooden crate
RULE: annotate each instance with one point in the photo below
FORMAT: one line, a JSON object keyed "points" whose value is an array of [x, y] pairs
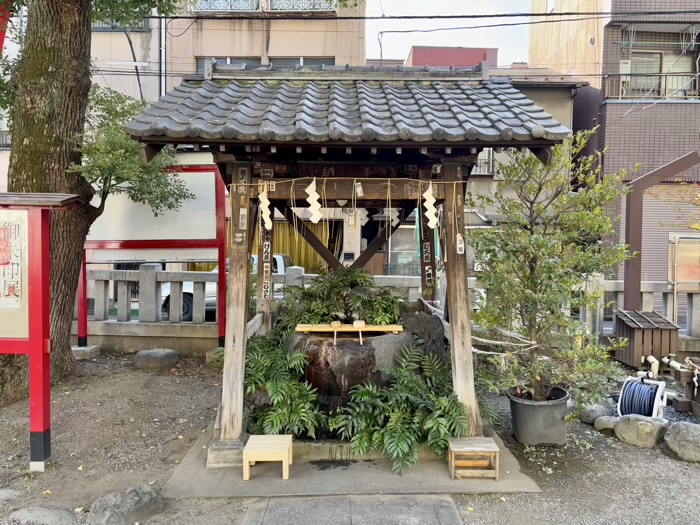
{"points": [[648, 333], [476, 457]]}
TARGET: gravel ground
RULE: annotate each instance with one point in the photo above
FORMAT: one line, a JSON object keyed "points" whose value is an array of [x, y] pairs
{"points": [[112, 427], [115, 426], [593, 480]]}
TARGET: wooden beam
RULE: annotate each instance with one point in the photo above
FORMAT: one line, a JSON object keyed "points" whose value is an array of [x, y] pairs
{"points": [[634, 215], [458, 297], [150, 151], [427, 251], [544, 154], [236, 314], [343, 189], [265, 266], [308, 235], [405, 210]]}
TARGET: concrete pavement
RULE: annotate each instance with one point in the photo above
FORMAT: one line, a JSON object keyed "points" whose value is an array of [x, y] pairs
{"points": [[355, 510]]}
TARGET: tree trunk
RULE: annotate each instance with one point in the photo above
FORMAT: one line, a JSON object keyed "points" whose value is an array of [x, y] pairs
{"points": [[52, 83]]}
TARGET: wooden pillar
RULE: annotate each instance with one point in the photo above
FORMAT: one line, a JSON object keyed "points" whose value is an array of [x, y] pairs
{"points": [[236, 308], [428, 278], [633, 238], [458, 298], [265, 285]]}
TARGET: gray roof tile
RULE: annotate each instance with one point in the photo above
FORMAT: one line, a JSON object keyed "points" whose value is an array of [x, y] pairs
{"points": [[410, 110]]}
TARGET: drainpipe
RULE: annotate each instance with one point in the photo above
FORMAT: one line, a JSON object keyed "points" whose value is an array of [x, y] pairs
{"points": [[163, 57]]}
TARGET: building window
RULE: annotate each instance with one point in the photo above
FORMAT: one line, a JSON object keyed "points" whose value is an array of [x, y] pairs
{"points": [[110, 27], [248, 61], [550, 6], [646, 71], [302, 61]]}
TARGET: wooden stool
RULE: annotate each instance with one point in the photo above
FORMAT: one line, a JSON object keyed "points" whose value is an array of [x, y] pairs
{"points": [[480, 456], [267, 448]]}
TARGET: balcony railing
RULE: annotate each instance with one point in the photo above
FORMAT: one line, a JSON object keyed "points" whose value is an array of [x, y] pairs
{"points": [[671, 86], [272, 6], [109, 27], [226, 5], [301, 5], [5, 140], [484, 167]]}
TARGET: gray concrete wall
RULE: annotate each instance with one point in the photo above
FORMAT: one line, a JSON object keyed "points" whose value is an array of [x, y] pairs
{"points": [[129, 338]]}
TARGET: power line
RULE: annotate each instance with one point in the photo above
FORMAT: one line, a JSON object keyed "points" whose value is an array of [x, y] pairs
{"points": [[306, 16], [487, 26]]}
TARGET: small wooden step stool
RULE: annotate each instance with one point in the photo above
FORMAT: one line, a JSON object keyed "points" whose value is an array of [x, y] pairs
{"points": [[268, 448], [480, 456]]}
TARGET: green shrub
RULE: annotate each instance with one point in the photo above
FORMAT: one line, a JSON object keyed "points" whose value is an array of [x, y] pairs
{"points": [[341, 295], [419, 407]]}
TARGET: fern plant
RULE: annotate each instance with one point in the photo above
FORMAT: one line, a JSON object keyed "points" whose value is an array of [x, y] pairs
{"points": [[418, 407], [293, 404]]}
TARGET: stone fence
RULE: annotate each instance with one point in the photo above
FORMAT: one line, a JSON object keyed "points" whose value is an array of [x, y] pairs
{"points": [[201, 289]]}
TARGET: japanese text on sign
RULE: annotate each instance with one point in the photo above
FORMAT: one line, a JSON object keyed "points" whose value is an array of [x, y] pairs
{"points": [[10, 265]]}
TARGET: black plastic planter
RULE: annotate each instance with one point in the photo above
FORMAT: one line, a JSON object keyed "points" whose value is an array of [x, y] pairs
{"points": [[540, 422]]}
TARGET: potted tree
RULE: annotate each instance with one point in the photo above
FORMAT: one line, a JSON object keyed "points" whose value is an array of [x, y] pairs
{"points": [[551, 236]]}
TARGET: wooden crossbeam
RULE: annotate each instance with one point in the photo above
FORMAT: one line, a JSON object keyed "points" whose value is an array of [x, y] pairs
{"points": [[348, 328], [309, 237], [346, 189], [383, 236]]}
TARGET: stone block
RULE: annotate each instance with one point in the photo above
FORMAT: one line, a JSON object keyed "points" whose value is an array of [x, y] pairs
{"points": [[641, 431], [82, 353], [606, 423], [684, 440], [9, 494], [593, 412], [137, 504], [41, 516], [212, 355], [225, 454], [156, 360]]}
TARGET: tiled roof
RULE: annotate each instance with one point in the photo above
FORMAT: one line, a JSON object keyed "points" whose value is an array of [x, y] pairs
{"points": [[354, 110]]}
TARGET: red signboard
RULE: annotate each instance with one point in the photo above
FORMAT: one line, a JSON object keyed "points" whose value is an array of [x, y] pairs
{"points": [[4, 19]]}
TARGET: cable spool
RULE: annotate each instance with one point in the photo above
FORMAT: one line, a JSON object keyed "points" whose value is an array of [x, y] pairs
{"points": [[641, 397]]}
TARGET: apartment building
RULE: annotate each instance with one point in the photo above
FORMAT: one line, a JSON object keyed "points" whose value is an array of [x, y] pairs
{"points": [[242, 33], [643, 71], [150, 58]]}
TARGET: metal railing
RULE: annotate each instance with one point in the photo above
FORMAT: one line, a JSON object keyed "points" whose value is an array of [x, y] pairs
{"points": [[5, 140], [226, 5], [273, 6], [109, 27], [412, 268], [671, 86], [484, 167], [301, 5]]}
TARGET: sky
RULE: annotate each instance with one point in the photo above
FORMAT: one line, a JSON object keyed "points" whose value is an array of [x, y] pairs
{"points": [[512, 42]]}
